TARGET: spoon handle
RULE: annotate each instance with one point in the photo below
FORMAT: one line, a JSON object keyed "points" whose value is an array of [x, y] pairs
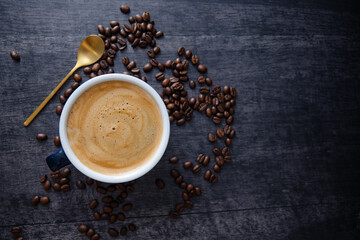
{"points": [[47, 99]]}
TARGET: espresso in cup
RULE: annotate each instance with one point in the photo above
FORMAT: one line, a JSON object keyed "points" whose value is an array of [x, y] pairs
{"points": [[114, 127]]}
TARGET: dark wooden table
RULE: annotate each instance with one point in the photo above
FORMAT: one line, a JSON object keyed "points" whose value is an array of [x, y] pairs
{"points": [[295, 172]]}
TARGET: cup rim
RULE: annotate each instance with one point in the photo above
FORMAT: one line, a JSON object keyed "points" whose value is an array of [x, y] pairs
{"points": [[134, 173]]}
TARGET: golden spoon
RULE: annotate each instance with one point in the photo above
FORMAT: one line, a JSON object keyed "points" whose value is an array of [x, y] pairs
{"points": [[90, 50]]}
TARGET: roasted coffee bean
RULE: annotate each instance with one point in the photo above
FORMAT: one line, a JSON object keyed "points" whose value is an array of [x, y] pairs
{"points": [[66, 172], [219, 160], [132, 227], [165, 82], [121, 41], [156, 49], [147, 67], [225, 151], [43, 178], [114, 46], [180, 122], [185, 196], [136, 71], [114, 204], [207, 174], [174, 214], [202, 107], [195, 59], [189, 187], [201, 79], [113, 232], [127, 207], [232, 91], [90, 232], [220, 133], [149, 27], [202, 68], [104, 64], [216, 120], [228, 141], [179, 179], [122, 48], [101, 190], [68, 92], [204, 90], [197, 191], [151, 53], [213, 178], [131, 65], [55, 174], [89, 181], [174, 173], [75, 85], [142, 44], [188, 164], [35, 200], [121, 217], [59, 109], [101, 29], [93, 204], [196, 168], [232, 133], [229, 120], [217, 151], [92, 75], [208, 112], [115, 30], [107, 45], [16, 230], [227, 129], [80, 184], [138, 18], [212, 137], [83, 228], [159, 34], [62, 99], [47, 185], [104, 216], [160, 76], [77, 77], [208, 81], [168, 63], [57, 187], [161, 67], [217, 168], [188, 54], [196, 105], [100, 72], [179, 207], [131, 19], [41, 136], [125, 61], [206, 160], [44, 200], [183, 185], [174, 159], [226, 89], [107, 209], [65, 188], [227, 105], [95, 67], [110, 70], [160, 183], [135, 43], [170, 106], [15, 56], [131, 37], [96, 236], [232, 110], [181, 51], [154, 62], [124, 9], [87, 70], [189, 204], [114, 23], [63, 181], [123, 231]]}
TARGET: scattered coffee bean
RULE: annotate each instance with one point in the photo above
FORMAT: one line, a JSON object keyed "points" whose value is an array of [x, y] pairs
{"points": [[113, 232], [132, 227], [202, 68], [89, 181], [58, 109], [216, 168], [83, 228], [160, 183], [196, 168], [77, 77], [185, 196], [147, 67], [15, 56], [93, 204], [47, 185], [188, 54], [174, 173], [96, 236], [212, 137], [124, 9], [62, 99], [66, 172], [101, 190], [159, 34], [208, 81], [174, 159], [181, 51], [123, 231], [174, 214], [41, 136], [57, 141], [188, 164], [207, 174], [57, 187], [68, 92], [16, 230], [121, 217], [65, 187], [195, 59], [127, 207], [43, 178], [216, 120], [44, 200], [213, 178], [228, 141], [206, 160], [157, 49], [87, 70], [35, 200], [80, 184], [55, 175], [107, 209], [75, 85], [63, 181], [220, 133], [90, 232]]}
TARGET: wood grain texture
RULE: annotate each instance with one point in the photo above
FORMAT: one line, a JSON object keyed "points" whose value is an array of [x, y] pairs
{"points": [[295, 172]]}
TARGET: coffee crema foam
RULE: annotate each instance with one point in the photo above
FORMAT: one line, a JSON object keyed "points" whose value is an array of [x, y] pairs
{"points": [[114, 127]]}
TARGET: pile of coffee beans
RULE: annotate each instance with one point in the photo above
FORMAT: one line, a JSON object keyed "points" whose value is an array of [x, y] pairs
{"points": [[215, 101]]}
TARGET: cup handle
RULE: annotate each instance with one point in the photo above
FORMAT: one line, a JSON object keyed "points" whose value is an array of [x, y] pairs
{"points": [[57, 160]]}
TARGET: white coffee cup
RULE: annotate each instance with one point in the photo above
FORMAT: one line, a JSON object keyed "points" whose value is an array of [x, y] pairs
{"points": [[58, 159]]}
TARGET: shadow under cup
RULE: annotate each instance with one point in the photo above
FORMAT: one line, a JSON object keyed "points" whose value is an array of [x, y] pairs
{"points": [[67, 156]]}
